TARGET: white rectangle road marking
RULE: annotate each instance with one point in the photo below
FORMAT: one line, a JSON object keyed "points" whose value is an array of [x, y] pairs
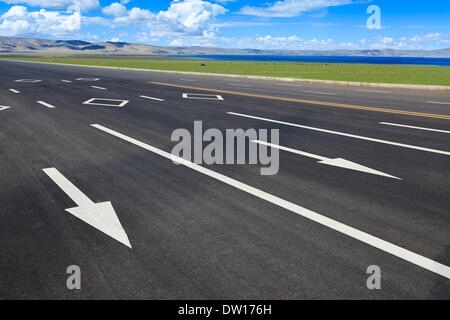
{"points": [[437, 102], [413, 127], [364, 237], [45, 104], [100, 88], [151, 98], [324, 93], [202, 96], [94, 102], [342, 134], [14, 91]]}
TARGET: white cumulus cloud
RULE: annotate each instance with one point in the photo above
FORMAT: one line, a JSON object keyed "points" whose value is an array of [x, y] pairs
{"points": [[19, 21], [83, 5], [188, 17], [291, 8]]}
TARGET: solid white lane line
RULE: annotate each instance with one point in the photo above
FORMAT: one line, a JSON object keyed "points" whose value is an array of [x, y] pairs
{"points": [[437, 102], [337, 162], [14, 91], [413, 127], [383, 245], [100, 88], [324, 93], [375, 91], [101, 216], [151, 98], [343, 134], [66, 81], [45, 104]]}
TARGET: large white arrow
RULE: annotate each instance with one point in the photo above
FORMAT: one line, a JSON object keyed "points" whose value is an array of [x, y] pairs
{"points": [[338, 162], [99, 215], [4, 108]]}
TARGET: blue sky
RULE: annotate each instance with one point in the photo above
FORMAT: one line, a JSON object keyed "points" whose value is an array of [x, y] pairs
{"points": [[269, 24]]}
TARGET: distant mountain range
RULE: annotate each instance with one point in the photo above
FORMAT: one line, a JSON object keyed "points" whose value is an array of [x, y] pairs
{"points": [[63, 47]]}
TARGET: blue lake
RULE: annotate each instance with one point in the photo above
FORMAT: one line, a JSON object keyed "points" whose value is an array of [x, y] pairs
{"points": [[326, 59]]}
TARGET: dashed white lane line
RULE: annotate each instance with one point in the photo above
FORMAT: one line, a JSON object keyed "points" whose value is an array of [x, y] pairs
{"points": [[67, 81], [323, 93], [437, 102], [99, 88], [45, 104], [14, 91], [151, 98], [413, 127], [186, 80], [374, 91], [343, 134], [354, 233]]}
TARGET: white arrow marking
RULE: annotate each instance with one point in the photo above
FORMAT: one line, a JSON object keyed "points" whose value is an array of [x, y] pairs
{"points": [[362, 236], [99, 215], [4, 108], [447, 153], [338, 162]]}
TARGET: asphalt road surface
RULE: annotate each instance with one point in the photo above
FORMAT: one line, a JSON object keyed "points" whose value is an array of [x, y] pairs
{"points": [[219, 231]]}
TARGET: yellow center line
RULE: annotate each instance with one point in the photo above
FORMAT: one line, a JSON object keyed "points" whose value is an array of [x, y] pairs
{"points": [[322, 103]]}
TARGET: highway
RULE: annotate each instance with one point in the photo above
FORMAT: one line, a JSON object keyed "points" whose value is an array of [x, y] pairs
{"points": [[79, 138]]}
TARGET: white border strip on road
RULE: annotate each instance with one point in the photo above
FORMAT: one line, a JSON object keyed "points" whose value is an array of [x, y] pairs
{"points": [[45, 104], [14, 91], [323, 93], [364, 237], [342, 134], [413, 127], [223, 75], [240, 85], [437, 102], [151, 98], [373, 91]]}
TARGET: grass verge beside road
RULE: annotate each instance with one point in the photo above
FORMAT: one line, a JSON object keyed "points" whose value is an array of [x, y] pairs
{"points": [[403, 74]]}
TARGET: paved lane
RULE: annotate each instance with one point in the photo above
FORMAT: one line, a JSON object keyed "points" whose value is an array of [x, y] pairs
{"points": [[193, 236]]}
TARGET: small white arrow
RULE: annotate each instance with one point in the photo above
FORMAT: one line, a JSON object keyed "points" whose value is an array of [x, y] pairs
{"points": [[338, 162], [99, 215], [4, 108]]}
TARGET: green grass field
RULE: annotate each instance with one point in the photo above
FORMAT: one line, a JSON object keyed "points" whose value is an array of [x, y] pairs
{"points": [[429, 75]]}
